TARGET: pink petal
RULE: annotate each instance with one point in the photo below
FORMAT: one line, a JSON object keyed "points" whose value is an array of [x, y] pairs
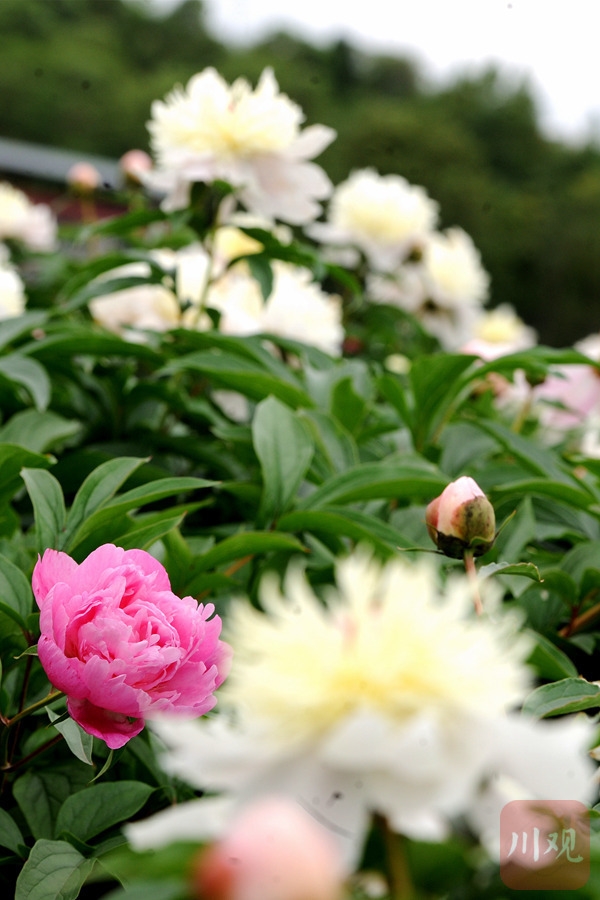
{"points": [[113, 728], [53, 567]]}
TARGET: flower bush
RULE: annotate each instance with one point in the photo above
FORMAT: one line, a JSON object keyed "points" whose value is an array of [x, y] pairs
{"points": [[252, 398]]}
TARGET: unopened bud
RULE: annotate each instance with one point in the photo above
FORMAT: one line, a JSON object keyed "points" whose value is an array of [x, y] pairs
{"points": [[135, 164], [274, 851], [460, 519], [83, 177]]}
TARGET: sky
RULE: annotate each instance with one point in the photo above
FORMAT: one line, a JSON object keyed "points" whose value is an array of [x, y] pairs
{"points": [[551, 43]]}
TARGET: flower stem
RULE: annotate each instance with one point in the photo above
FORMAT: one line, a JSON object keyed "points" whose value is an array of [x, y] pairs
{"points": [[39, 704], [473, 580], [398, 872]]}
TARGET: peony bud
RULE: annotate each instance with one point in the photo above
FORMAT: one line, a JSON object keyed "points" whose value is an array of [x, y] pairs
{"points": [[83, 178], [460, 519], [274, 851], [135, 164]]}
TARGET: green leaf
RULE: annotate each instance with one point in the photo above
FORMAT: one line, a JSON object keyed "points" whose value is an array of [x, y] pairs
{"points": [[24, 372], [284, 449], [54, 870], [123, 223], [566, 696], [413, 479], [528, 570], [149, 890], [74, 341], [142, 536], [248, 543], [79, 742], [49, 510], [10, 833], [97, 489], [134, 499], [11, 329], [260, 266], [396, 393], [16, 598], [32, 793], [346, 522], [520, 531], [348, 406], [12, 460], [91, 811], [240, 375], [38, 431], [336, 447], [434, 380], [548, 660], [538, 459], [580, 559], [545, 487]]}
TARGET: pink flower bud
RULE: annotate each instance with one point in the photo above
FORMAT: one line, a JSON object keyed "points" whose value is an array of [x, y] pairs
{"points": [[461, 518], [274, 851], [134, 164], [83, 177]]}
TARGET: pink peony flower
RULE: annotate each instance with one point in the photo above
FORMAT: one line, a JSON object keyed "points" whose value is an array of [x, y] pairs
{"points": [[121, 645]]}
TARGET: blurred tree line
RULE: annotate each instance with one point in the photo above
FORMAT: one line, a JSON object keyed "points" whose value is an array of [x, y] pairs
{"points": [[82, 74]]}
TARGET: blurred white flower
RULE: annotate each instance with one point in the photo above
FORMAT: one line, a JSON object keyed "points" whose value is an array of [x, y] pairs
{"points": [[382, 215], [33, 224], [444, 290], [151, 306], [390, 697], [498, 332], [249, 138], [452, 270], [297, 308], [12, 291]]}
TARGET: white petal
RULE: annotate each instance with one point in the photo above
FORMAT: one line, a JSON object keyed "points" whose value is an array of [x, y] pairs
{"points": [[195, 820]]}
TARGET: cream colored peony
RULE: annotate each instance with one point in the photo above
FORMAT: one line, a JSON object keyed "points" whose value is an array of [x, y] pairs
{"points": [[498, 332], [382, 215], [249, 138], [33, 224], [452, 270], [445, 290], [390, 697], [297, 308], [12, 291], [152, 306]]}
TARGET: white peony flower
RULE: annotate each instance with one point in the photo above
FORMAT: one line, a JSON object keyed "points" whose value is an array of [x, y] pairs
{"points": [[32, 223], [499, 332], [388, 698], [382, 215], [445, 290], [452, 270], [12, 291], [297, 308], [151, 306], [249, 138]]}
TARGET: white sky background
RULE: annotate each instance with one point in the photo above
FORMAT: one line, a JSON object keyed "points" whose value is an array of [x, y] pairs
{"points": [[554, 44]]}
